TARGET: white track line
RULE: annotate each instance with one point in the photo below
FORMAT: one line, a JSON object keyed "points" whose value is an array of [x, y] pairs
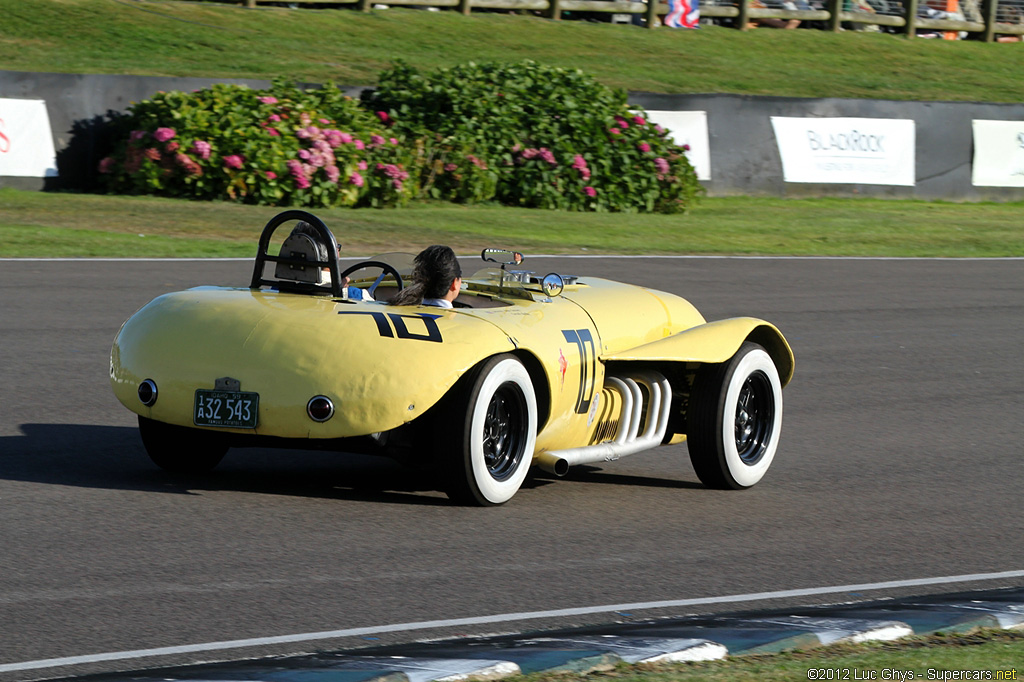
{"points": [[543, 255], [500, 618]]}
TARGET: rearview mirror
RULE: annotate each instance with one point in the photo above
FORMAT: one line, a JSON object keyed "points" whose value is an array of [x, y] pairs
{"points": [[501, 256]]}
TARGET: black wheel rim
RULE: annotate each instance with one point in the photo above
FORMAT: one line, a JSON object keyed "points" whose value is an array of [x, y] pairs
{"points": [[755, 417], [504, 431]]}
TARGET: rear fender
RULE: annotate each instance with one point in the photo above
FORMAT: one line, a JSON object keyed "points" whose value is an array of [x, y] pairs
{"points": [[380, 366], [540, 385]]}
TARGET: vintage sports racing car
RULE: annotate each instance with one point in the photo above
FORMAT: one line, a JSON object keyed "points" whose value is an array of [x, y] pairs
{"points": [[549, 371]]}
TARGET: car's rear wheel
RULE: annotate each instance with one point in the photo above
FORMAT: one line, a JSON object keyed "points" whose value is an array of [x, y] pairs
{"points": [[734, 420], [181, 450], [491, 427]]}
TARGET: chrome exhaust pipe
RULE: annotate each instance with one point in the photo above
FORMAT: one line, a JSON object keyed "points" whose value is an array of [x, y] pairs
{"points": [[552, 463], [628, 440]]}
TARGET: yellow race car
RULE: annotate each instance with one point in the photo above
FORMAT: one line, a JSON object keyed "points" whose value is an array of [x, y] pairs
{"points": [[551, 371]]}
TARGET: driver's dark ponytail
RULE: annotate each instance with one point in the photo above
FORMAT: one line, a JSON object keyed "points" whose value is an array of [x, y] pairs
{"points": [[411, 295], [436, 267]]}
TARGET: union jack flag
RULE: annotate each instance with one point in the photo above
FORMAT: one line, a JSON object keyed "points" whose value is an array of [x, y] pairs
{"points": [[683, 14]]}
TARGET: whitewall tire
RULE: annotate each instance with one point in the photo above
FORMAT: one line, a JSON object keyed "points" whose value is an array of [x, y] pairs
{"points": [[734, 420], [494, 417]]}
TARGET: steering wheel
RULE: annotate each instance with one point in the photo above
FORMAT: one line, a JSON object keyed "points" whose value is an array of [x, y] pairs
{"points": [[385, 268]]}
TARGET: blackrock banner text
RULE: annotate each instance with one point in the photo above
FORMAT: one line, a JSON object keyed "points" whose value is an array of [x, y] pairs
{"points": [[849, 151]]}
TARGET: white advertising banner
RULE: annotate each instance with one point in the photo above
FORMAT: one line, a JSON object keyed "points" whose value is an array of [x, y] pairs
{"points": [[998, 154], [857, 151], [689, 128], [26, 143]]}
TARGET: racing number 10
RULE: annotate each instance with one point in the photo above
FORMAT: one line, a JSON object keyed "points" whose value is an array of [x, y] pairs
{"points": [[584, 341]]}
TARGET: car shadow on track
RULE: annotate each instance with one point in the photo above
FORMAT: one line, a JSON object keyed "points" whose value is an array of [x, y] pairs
{"points": [[112, 457], [589, 474]]}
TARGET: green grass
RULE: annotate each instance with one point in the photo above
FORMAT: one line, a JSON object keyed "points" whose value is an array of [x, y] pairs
{"points": [[221, 40], [34, 224], [991, 652]]}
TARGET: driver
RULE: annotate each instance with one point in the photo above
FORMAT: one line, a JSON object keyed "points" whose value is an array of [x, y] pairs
{"points": [[436, 279], [354, 293]]}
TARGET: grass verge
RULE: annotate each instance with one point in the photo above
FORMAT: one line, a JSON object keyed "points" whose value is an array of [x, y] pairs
{"points": [[173, 38], [36, 224], [986, 654]]}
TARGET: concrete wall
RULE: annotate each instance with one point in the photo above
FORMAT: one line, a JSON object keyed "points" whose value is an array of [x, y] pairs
{"points": [[745, 158], [744, 155]]}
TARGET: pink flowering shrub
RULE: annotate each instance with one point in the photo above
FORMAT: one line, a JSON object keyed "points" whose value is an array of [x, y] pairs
{"points": [[163, 134], [282, 147], [522, 134], [450, 172], [550, 138], [234, 161]]}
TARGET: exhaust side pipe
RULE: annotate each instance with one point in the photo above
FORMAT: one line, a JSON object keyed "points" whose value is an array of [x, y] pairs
{"points": [[627, 441]]}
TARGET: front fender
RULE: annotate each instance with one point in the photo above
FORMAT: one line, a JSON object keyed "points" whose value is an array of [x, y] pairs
{"points": [[715, 342]]}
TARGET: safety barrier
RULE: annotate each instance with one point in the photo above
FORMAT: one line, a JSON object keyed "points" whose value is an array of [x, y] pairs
{"points": [[736, 153], [981, 19]]}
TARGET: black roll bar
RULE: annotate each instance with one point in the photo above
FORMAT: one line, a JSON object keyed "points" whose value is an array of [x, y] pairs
{"points": [[297, 287]]}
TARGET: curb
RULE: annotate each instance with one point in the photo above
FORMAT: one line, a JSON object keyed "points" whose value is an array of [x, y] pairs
{"points": [[581, 650]]}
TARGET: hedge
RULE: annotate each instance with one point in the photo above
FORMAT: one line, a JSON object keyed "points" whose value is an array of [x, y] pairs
{"points": [[521, 134]]}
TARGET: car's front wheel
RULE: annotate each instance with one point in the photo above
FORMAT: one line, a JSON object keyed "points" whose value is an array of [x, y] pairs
{"points": [[491, 427], [181, 450], [734, 420]]}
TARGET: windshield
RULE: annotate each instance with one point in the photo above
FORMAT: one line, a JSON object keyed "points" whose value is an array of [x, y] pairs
{"points": [[490, 280], [399, 260]]}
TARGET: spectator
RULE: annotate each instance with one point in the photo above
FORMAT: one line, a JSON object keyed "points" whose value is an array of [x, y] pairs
{"points": [[770, 22]]}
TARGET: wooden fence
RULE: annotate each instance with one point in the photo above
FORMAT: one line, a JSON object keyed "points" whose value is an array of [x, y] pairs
{"points": [[741, 12]]}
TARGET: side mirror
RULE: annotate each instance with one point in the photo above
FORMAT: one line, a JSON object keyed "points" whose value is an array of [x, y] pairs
{"points": [[552, 285], [501, 256]]}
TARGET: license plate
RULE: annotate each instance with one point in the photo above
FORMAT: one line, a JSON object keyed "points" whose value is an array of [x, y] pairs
{"points": [[232, 409]]}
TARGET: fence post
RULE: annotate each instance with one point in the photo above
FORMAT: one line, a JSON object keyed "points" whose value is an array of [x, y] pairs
{"points": [[652, 13], [251, 4], [834, 8], [989, 10], [465, 7], [910, 7], [555, 10], [742, 19]]}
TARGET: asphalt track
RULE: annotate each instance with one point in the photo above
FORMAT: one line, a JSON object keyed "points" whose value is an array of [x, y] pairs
{"points": [[901, 459]]}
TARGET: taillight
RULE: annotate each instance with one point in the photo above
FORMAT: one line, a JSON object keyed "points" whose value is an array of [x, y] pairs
{"points": [[147, 392], [320, 408]]}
